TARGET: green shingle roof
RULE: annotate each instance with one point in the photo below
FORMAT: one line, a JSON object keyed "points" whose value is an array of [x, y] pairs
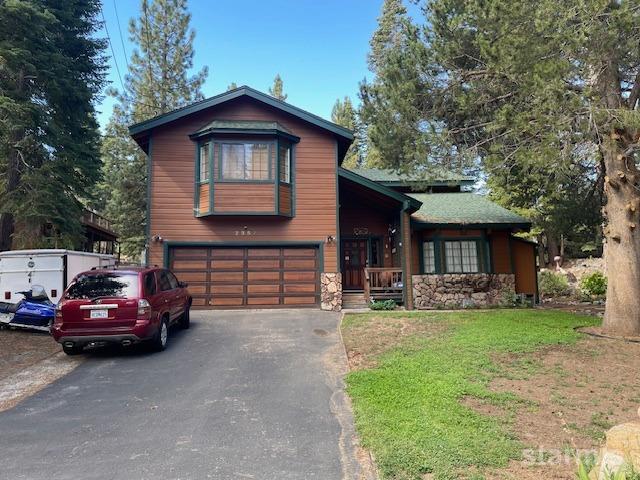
{"points": [[259, 126], [391, 177], [463, 208]]}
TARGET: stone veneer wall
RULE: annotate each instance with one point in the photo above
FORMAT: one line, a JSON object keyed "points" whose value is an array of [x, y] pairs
{"points": [[331, 291], [458, 290]]}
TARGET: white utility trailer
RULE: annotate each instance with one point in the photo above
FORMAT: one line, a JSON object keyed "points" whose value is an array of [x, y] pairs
{"points": [[51, 268]]}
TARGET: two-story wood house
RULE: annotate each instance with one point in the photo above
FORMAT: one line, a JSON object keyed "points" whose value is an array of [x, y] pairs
{"points": [[249, 204]]}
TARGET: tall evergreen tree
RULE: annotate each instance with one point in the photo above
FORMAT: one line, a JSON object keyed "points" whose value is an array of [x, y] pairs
{"points": [[277, 90], [51, 70], [158, 81], [345, 115]]}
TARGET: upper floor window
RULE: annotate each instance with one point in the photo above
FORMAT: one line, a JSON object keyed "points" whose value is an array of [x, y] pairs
{"points": [[284, 157], [245, 161], [204, 162]]}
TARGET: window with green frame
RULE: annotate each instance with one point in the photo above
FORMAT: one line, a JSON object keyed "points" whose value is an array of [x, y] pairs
{"points": [[245, 161], [204, 162], [452, 256], [284, 159]]}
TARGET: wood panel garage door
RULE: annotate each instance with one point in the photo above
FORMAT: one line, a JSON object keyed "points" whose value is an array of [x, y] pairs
{"points": [[265, 277]]}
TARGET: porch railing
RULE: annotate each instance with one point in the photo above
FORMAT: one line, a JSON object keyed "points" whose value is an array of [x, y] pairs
{"points": [[383, 284]]}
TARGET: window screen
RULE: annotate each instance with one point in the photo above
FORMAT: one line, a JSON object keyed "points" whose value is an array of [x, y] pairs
{"points": [[461, 256], [284, 157], [245, 161], [204, 162], [429, 257]]}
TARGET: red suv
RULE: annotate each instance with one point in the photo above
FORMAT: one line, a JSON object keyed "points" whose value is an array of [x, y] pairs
{"points": [[120, 305]]}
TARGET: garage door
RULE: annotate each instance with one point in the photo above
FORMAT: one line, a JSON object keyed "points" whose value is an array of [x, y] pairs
{"points": [[269, 277]]}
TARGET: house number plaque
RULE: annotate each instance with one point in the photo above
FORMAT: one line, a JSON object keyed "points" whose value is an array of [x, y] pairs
{"points": [[360, 231], [245, 233]]}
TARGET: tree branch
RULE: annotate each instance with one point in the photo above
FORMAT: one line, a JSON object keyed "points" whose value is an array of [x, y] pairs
{"points": [[635, 93]]}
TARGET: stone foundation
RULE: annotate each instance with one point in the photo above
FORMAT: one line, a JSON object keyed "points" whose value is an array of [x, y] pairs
{"points": [[331, 291], [462, 290]]}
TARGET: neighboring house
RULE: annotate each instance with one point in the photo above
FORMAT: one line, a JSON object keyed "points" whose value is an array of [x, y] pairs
{"points": [[99, 236], [249, 205]]}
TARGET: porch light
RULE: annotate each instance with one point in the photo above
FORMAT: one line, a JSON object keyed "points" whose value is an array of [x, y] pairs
{"points": [[331, 239]]}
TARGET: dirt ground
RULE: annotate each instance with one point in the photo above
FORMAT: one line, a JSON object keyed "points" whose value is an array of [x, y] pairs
{"points": [[573, 395], [28, 362], [381, 334], [20, 349]]}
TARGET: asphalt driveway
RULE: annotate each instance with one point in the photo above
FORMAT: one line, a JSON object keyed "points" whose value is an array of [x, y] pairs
{"points": [[241, 395]]}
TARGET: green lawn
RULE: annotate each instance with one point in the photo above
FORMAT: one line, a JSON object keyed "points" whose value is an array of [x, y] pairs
{"points": [[409, 409]]}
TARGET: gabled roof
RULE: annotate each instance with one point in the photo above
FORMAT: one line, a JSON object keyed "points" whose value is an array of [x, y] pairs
{"points": [[392, 178], [342, 134], [412, 203], [464, 209]]}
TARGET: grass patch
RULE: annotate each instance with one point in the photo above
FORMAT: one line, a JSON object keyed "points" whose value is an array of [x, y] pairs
{"points": [[410, 410]]}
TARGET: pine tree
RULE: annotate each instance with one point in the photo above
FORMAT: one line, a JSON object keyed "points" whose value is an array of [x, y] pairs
{"points": [[51, 72], [389, 34], [158, 82], [277, 90], [535, 85], [345, 115]]}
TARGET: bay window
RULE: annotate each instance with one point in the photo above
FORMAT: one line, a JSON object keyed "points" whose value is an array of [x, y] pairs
{"points": [[204, 162], [245, 161]]}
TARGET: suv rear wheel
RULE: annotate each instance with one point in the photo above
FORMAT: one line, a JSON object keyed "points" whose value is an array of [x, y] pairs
{"points": [[75, 350], [160, 339]]}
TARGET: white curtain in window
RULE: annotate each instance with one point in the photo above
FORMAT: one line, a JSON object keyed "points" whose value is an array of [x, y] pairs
{"points": [[429, 257], [204, 162], [461, 256]]}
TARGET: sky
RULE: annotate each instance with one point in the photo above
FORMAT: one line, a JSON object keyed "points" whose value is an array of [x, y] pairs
{"points": [[319, 47]]}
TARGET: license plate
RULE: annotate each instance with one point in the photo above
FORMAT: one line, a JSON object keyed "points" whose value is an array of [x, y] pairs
{"points": [[6, 317], [99, 314]]}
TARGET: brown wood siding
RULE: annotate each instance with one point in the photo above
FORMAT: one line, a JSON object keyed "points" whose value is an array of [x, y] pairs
{"points": [[203, 199], [285, 199], [171, 209], [238, 197], [500, 252], [524, 263], [453, 233], [416, 246]]}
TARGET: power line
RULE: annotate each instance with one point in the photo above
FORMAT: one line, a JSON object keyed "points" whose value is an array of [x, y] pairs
{"points": [[126, 56], [115, 61]]}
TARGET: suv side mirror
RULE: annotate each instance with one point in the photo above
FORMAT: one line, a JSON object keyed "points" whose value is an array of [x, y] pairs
{"points": [[183, 284]]}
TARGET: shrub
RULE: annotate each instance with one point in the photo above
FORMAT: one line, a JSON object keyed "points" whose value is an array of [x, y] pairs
{"points": [[553, 284], [384, 305], [594, 284]]}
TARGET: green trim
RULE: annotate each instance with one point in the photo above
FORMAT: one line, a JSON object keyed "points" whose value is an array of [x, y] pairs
{"points": [[412, 203], [338, 237], [147, 232], [418, 224], [482, 254], [142, 127], [212, 147], [240, 213], [319, 244], [292, 169], [238, 131], [276, 189]]}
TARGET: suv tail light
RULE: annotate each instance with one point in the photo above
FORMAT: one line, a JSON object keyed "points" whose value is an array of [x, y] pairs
{"points": [[58, 318], [144, 307]]}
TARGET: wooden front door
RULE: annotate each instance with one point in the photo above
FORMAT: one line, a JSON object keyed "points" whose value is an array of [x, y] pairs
{"points": [[354, 260]]}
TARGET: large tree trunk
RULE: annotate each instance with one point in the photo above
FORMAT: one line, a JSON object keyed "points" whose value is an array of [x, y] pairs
{"points": [[622, 313]]}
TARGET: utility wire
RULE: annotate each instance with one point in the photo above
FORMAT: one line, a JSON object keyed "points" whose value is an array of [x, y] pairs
{"points": [[115, 61], [126, 56]]}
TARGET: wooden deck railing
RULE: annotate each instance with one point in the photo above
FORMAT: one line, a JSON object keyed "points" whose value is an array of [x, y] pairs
{"points": [[383, 284]]}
